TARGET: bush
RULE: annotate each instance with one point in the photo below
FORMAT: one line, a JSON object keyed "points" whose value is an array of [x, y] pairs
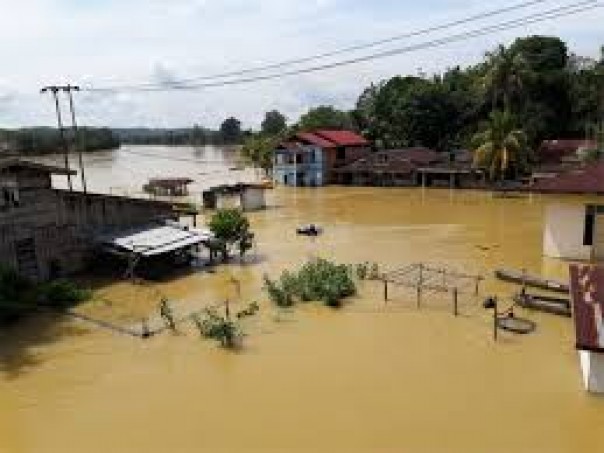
{"points": [[61, 294], [18, 296], [317, 280], [214, 326], [230, 227]]}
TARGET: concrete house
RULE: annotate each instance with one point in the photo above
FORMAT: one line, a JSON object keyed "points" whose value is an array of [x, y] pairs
{"points": [[46, 232], [311, 158], [574, 231]]}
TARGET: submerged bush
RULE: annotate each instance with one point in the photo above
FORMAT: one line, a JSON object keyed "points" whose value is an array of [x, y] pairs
{"points": [[61, 294], [228, 332], [19, 296], [317, 280]]}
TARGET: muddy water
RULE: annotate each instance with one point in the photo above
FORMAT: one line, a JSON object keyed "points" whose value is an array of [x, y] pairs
{"points": [[369, 377]]}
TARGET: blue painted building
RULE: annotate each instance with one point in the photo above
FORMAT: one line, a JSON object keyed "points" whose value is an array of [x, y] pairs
{"points": [[310, 158]]}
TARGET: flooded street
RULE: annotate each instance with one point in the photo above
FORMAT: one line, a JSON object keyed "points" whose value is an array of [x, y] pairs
{"points": [[369, 377]]}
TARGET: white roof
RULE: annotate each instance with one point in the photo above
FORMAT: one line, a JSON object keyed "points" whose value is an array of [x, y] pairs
{"points": [[156, 240]]}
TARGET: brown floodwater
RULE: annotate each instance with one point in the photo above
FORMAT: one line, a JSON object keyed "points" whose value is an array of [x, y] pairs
{"points": [[368, 377]]}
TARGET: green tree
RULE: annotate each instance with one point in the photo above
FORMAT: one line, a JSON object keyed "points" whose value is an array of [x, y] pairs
{"points": [[230, 227], [501, 148], [258, 149], [504, 79], [274, 123], [230, 130], [325, 117]]}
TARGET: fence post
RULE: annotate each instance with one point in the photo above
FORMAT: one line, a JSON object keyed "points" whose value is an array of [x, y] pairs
{"points": [[455, 306], [419, 296], [385, 290]]}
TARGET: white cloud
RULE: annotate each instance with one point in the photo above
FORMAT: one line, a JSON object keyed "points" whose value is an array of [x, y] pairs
{"points": [[140, 41]]}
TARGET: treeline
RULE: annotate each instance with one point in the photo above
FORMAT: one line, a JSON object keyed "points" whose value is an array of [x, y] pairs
{"points": [[45, 140], [535, 89], [229, 133]]}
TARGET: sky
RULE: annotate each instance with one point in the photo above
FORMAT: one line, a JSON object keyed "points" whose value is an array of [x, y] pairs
{"points": [[101, 43]]}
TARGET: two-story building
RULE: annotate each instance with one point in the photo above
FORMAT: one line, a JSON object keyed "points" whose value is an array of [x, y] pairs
{"points": [[311, 158], [47, 232]]}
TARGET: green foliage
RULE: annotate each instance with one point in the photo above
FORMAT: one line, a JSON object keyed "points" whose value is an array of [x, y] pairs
{"points": [[325, 117], [61, 294], [230, 227], [549, 93], [258, 149], [214, 326], [501, 148], [19, 296], [230, 131], [317, 280], [274, 123], [44, 140]]}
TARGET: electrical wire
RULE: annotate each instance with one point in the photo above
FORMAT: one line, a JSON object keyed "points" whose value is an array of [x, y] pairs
{"points": [[353, 48], [554, 13]]}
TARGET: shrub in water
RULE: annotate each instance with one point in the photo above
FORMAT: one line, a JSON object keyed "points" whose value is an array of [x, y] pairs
{"points": [[317, 280]]}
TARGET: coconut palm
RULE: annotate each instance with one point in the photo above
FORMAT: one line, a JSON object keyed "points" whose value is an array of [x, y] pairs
{"points": [[501, 148], [505, 75]]}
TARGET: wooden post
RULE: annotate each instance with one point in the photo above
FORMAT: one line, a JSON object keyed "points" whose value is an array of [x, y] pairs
{"points": [[455, 302], [419, 296], [385, 291], [495, 315], [476, 286]]}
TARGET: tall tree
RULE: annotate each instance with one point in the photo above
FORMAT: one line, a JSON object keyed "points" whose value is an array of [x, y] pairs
{"points": [[504, 78], [274, 123], [230, 130], [325, 117], [501, 148]]}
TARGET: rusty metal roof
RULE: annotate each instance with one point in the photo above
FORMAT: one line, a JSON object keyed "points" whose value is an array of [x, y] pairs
{"points": [[18, 163]]}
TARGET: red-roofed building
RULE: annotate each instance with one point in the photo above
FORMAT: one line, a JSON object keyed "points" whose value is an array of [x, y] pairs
{"points": [[311, 158], [560, 151], [583, 180]]}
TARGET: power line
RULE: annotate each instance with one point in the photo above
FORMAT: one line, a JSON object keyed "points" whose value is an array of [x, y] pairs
{"points": [[554, 13], [353, 48]]}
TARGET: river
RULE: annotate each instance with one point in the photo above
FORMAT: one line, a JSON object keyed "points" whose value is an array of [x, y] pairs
{"points": [[369, 377]]}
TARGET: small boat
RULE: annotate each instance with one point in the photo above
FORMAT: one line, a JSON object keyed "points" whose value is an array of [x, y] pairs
{"points": [[522, 278], [309, 230], [546, 304]]}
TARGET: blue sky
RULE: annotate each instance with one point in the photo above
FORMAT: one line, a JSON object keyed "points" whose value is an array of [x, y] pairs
{"points": [[104, 42]]}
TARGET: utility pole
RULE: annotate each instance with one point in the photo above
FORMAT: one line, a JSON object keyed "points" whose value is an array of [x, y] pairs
{"points": [[55, 90], [74, 125]]}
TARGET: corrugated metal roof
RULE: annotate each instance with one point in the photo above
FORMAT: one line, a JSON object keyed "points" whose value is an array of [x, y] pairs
{"points": [[553, 151], [155, 240], [342, 137], [314, 139], [15, 162], [589, 179]]}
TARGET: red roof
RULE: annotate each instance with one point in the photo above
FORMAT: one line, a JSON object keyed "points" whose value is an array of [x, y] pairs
{"points": [[553, 151], [342, 137], [589, 179], [314, 139]]}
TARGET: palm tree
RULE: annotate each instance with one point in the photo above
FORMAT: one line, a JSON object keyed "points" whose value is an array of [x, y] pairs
{"points": [[505, 75], [501, 147]]}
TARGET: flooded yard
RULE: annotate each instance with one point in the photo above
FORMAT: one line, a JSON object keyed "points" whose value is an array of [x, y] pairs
{"points": [[368, 377]]}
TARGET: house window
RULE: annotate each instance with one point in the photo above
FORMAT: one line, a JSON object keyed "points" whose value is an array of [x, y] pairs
{"points": [[299, 158], [341, 154], [590, 221]]}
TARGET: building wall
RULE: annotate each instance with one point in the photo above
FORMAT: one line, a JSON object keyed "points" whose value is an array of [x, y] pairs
{"points": [[309, 172], [50, 232], [252, 199], [564, 231]]}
